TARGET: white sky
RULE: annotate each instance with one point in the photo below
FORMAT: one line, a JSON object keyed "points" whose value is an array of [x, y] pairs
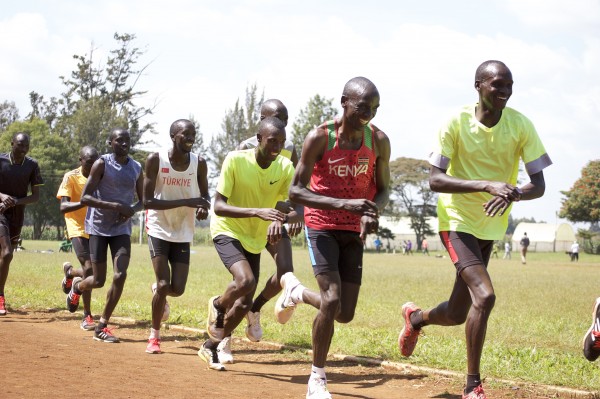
{"points": [[421, 55]]}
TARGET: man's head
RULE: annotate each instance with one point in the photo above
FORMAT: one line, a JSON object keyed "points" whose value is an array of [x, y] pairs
{"points": [[120, 141], [19, 145], [183, 135], [87, 156], [360, 100], [274, 108], [493, 82], [271, 137]]}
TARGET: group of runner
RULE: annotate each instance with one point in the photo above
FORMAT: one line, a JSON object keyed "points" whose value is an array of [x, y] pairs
{"points": [[335, 192]]}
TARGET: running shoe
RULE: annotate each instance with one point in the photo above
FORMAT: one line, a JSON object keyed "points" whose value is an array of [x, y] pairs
{"points": [[476, 393], [2, 305], [285, 306], [153, 345], [105, 335], [167, 310], [253, 329], [215, 321], [73, 298], [88, 323], [224, 351], [591, 340], [211, 357], [67, 281], [317, 389], [407, 340]]}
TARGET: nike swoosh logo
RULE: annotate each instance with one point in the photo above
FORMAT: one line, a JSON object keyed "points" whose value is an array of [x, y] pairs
{"points": [[330, 161], [273, 182]]}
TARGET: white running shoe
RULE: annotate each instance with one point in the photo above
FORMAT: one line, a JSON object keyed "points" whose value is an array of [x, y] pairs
{"points": [[254, 331], [317, 389], [224, 351], [211, 358], [285, 306], [167, 310]]}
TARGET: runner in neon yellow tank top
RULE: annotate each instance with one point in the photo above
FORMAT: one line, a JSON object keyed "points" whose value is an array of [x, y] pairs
{"points": [[281, 251], [474, 166], [248, 214]]}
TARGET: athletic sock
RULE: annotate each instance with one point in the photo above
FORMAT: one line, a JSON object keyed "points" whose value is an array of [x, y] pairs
{"points": [[297, 294], [76, 288], [258, 303], [318, 372], [416, 319], [473, 381], [154, 333]]}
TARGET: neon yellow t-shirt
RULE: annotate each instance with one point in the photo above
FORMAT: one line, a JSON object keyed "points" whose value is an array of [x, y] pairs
{"points": [[72, 187], [472, 151], [247, 185]]}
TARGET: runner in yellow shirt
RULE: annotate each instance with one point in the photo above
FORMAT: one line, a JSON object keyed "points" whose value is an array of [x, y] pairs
{"points": [[69, 194]]}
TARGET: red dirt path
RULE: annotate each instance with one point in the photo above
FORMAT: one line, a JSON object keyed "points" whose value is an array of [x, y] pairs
{"points": [[47, 355]]}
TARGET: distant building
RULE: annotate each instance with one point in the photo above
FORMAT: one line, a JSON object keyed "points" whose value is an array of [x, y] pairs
{"points": [[545, 237]]}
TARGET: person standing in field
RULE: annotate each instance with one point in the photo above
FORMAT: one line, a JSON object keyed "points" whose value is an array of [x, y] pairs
{"points": [[342, 179], [506, 250], [69, 194], [281, 251], [524, 243], [115, 181], [18, 173], [467, 176], [575, 252], [175, 195], [250, 187], [425, 247]]}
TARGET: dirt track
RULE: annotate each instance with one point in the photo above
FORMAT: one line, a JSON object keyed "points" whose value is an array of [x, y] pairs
{"points": [[47, 355]]}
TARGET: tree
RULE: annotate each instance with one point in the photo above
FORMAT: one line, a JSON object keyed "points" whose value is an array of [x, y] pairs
{"points": [[317, 111], [49, 151], [410, 188], [9, 113], [98, 98], [386, 233], [238, 124], [198, 147], [582, 202]]}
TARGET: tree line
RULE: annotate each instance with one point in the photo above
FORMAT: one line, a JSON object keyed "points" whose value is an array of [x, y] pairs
{"points": [[101, 94]]}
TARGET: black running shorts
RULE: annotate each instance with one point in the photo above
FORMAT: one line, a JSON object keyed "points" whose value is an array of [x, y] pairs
{"points": [[231, 251], [176, 252], [119, 246], [466, 250], [338, 251]]}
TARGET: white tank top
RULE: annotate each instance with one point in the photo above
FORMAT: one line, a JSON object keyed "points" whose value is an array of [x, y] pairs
{"points": [[177, 224]]}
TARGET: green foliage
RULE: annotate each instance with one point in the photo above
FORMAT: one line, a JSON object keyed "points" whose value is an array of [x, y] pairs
{"points": [[318, 110], [582, 202], [238, 124], [98, 97], [8, 114], [411, 194], [513, 223], [49, 150]]}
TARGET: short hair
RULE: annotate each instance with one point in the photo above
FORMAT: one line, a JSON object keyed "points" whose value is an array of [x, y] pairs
{"points": [[14, 137], [269, 122], [357, 86], [270, 107], [483, 70], [180, 124], [88, 149], [115, 131]]}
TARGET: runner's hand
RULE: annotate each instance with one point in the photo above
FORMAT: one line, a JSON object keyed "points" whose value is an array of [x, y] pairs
{"points": [[496, 206], [295, 228], [361, 206], [201, 213], [368, 225], [270, 214], [274, 232]]}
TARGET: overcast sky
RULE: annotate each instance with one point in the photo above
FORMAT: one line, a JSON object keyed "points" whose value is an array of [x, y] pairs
{"points": [[422, 56]]}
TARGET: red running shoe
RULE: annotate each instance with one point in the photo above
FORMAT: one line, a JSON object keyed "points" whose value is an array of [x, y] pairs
{"points": [[153, 345], [476, 393], [407, 340]]}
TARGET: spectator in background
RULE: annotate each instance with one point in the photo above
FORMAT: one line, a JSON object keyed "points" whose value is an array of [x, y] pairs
{"points": [[425, 246], [506, 250], [575, 252], [524, 245], [377, 243]]}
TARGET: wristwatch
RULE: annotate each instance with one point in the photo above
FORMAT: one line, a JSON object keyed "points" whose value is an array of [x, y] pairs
{"points": [[520, 194]]}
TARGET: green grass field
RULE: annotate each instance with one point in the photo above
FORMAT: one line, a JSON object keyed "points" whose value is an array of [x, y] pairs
{"points": [[534, 334]]}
